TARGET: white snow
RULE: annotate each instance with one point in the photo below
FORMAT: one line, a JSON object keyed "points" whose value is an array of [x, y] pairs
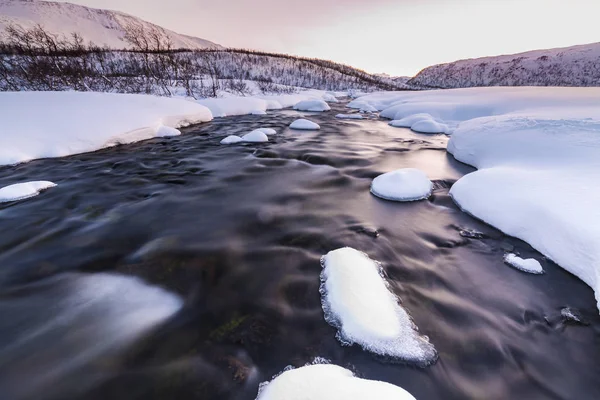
{"points": [[409, 121], [529, 265], [103, 27], [538, 155], [422, 123], [21, 191], [312, 106], [268, 131], [232, 139], [256, 136], [57, 124], [349, 116], [166, 131], [358, 302], [304, 124], [406, 184], [328, 382], [258, 112], [330, 98]]}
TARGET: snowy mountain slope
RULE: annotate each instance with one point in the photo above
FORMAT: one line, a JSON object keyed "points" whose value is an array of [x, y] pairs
{"points": [[570, 66], [102, 27]]}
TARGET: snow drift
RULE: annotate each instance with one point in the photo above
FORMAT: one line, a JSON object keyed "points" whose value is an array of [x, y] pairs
{"points": [[538, 155], [358, 302], [57, 124]]}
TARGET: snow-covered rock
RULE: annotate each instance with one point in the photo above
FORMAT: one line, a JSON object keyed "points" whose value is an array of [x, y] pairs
{"points": [[57, 124], [328, 382], [330, 98], [349, 116], [312, 106], [358, 301], [530, 265], [570, 66], [232, 139], [103, 27], [166, 131], [304, 124], [429, 126], [406, 184], [409, 121], [268, 131], [21, 191], [256, 136]]}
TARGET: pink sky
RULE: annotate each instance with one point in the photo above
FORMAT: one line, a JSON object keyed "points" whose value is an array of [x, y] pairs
{"points": [[398, 37]]}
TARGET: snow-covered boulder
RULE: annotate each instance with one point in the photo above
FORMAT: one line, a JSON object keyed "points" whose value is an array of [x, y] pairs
{"points": [[256, 136], [406, 184], [327, 382], [304, 124], [409, 121], [530, 265], [312, 106], [232, 139], [358, 302], [429, 126], [167, 131], [22, 191], [268, 131], [330, 98]]}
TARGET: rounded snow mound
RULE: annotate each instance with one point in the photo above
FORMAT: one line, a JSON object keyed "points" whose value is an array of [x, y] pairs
{"points": [[22, 191], [327, 382], [421, 123], [304, 124], [408, 184], [530, 265], [167, 131], [330, 98], [256, 136], [268, 131], [357, 300], [410, 120], [232, 139], [312, 106]]}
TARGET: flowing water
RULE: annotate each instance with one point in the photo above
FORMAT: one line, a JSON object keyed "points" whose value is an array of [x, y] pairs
{"points": [[179, 268]]}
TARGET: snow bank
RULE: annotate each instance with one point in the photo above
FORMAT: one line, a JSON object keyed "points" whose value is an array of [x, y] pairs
{"points": [[530, 265], [406, 184], [22, 191], [410, 120], [349, 116], [537, 151], [57, 124], [304, 124], [256, 136], [328, 382], [422, 123], [259, 112], [358, 302], [312, 105]]}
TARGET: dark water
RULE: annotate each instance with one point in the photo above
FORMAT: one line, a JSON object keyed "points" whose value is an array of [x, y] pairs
{"points": [[237, 232]]}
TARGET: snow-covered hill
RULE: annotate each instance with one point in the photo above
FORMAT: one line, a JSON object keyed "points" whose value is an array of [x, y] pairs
{"points": [[102, 27], [570, 66]]}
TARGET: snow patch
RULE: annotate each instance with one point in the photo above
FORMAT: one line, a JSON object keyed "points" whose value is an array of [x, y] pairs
{"points": [[304, 124], [22, 191], [312, 106], [358, 302], [256, 136], [268, 131], [232, 139], [530, 265], [406, 184], [327, 382]]}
